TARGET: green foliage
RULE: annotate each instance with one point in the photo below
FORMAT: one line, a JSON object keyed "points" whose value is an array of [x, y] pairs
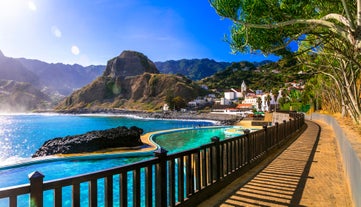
{"points": [[274, 37], [175, 102], [296, 107], [179, 103], [169, 99]]}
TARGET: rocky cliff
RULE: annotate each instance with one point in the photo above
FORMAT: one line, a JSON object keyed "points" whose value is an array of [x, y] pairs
{"points": [[92, 141], [130, 81], [21, 97], [129, 63]]}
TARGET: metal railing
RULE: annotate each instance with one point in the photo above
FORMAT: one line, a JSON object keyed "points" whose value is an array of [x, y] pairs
{"points": [[180, 179]]}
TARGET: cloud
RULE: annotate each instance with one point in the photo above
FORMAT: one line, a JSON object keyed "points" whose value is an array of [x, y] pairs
{"points": [[75, 50], [56, 31], [32, 6]]}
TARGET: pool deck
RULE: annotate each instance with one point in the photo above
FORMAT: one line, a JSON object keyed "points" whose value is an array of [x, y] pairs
{"points": [[148, 146], [247, 124], [308, 172]]}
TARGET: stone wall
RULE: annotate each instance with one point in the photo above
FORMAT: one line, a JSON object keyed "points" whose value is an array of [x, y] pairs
{"points": [[351, 155]]}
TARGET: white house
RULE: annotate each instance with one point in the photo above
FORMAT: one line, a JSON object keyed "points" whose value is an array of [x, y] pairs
{"points": [[165, 107], [229, 95]]}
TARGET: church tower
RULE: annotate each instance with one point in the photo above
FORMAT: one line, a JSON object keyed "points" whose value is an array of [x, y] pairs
{"points": [[244, 87]]}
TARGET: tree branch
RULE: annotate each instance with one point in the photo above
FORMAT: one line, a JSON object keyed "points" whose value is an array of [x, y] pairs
{"points": [[347, 11], [358, 20], [339, 18], [320, 22]]}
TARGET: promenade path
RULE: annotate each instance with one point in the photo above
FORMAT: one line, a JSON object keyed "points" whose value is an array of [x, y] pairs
{"points": [[308, 172]]}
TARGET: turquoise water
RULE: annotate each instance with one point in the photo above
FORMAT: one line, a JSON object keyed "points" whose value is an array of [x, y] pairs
{"points": [[22, 135], [175, 142]]}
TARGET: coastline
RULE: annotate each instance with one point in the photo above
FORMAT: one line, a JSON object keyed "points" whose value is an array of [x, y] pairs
{"points": [[221, 119]]}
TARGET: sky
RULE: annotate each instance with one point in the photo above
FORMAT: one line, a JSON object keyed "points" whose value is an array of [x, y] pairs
{"points": [[90, 32]]}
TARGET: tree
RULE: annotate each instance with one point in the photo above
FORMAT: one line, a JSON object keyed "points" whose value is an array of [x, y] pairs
{"points": [[179, 102], [268, 101], [275, 96], [169, 99], [327, 31], [340, 75], [288, 20], [259, 103]]}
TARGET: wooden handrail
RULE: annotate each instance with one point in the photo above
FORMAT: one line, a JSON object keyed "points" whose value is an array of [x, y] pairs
{"points": [[178, 179]]}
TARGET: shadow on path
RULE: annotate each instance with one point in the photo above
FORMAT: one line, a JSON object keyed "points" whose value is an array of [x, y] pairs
{"points": [[282, 182]]}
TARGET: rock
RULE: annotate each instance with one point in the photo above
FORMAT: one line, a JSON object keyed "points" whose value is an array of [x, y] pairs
{"points": [[92, 141], [129, 63]]}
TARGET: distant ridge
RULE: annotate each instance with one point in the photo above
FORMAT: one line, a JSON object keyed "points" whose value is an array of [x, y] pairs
{"points": [[21, 97], [47, 82], [194, 69], [62, 78]]}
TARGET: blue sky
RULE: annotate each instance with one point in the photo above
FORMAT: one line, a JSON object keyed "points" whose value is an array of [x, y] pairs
{"points": [[93, 31]]}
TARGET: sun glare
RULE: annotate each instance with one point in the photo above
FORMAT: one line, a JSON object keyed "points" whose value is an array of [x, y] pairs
{"points": [[14, 8], [75, 50], [32, 6], [56, 31]]}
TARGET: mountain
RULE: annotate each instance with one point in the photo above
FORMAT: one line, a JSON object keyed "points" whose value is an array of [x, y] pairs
{"points": [[56, 78], [21, 97], [13, 69], [262, 78], [130, 81], [194, 69], [62, 78], [55, 81], [266, 76]]}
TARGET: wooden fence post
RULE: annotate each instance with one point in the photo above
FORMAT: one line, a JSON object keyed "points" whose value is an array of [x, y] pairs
{"points": [[161, 177], [217, 156], [266, 138], [284, 129], [277, 134], [36, 189], [248, 146]]}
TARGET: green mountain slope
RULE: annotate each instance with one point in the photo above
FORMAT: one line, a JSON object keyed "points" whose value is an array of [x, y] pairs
{"points": [[265, 77], [195, 69]]}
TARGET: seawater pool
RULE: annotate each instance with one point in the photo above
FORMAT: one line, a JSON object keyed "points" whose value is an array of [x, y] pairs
{"points": [[43, 126], [181, 140]]}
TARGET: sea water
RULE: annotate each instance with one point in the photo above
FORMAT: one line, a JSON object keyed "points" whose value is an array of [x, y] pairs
{"points": [[22, 134]]}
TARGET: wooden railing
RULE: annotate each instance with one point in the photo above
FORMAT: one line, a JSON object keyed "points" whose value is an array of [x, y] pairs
{"points": [[180, 179]]}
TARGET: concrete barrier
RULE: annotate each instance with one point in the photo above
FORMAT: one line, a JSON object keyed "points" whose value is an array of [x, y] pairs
{"points": [[350, 153]]}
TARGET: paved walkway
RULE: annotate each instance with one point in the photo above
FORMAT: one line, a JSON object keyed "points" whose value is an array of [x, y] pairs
{"points": [[308, 173]]}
